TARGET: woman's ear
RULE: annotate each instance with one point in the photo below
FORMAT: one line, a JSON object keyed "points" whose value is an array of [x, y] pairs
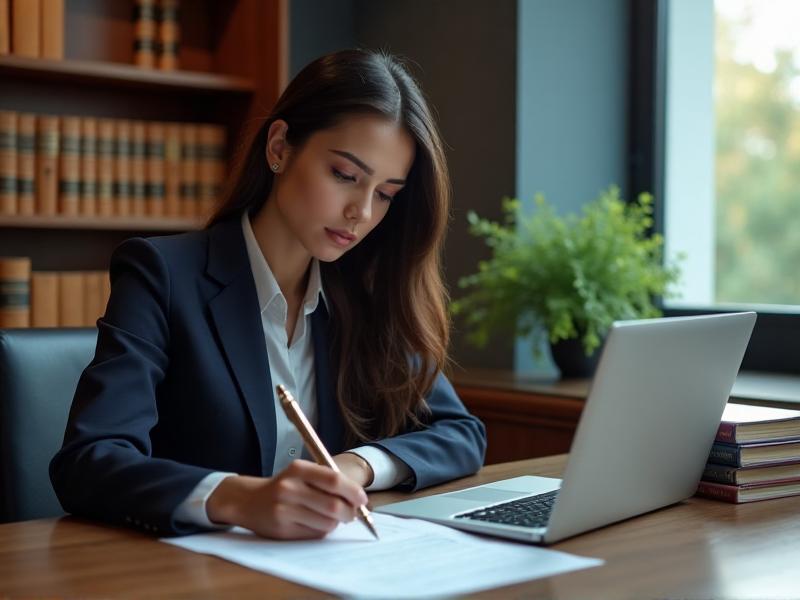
{"points": [[277, 150]]}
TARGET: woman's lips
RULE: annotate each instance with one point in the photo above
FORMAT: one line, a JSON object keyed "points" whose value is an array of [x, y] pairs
{"points": [[340, 238]]}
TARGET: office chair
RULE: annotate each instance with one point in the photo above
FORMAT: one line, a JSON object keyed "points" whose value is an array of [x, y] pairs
{"points": [[39, 371]]}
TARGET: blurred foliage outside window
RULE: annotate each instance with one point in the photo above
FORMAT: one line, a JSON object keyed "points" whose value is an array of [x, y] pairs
{"points": [[757, 107]]}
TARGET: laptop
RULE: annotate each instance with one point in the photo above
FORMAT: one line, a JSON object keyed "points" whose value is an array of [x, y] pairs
{"points": [[642, 441]]}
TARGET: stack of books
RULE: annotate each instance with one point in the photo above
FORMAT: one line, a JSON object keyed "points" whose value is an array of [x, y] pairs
{"points": [[756, 455]]}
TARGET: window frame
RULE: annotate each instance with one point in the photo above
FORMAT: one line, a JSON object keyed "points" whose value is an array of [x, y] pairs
{"points": [[775, 343]]}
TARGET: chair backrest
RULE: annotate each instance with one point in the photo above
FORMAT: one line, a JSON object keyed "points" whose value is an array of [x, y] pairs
{"points": [[39, 371]]}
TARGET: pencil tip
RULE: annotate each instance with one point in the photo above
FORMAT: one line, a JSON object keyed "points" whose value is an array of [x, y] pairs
{"points": [[371, 527]]}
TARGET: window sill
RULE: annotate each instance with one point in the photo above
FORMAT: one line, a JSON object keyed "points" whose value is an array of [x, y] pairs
{"points": [[751, 387]]}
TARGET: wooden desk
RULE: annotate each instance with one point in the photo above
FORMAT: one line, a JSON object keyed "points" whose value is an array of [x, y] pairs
{"points": [[696, 549]]}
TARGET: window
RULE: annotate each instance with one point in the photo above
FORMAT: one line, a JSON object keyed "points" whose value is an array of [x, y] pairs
{"points": [[722, 93]]}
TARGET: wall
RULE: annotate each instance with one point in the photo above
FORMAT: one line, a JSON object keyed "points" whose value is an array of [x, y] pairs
{"points": [[571, 110], [317, 27]]}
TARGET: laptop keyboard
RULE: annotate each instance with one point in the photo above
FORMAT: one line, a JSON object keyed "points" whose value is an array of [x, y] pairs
{"points": [[531, 511]]}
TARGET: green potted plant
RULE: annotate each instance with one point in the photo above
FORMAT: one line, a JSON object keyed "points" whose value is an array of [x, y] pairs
{"points": [[568, 278]]}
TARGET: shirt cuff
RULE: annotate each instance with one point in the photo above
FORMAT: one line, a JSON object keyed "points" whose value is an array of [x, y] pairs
{"points": [[388, 470], [193, 508]]}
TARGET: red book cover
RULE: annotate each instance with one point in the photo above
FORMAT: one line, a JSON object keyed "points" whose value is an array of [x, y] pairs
{"points": [[718, 491], [739, 494]]}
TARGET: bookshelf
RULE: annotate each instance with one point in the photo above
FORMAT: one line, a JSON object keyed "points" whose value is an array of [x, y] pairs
{"points": [[142, 224], [110, 75], [233, 65]]}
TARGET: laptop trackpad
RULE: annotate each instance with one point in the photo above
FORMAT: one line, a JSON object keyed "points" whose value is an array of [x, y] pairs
{"points": [[488, 494]]}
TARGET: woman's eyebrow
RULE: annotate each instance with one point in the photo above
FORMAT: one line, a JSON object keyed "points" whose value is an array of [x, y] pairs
{"points": [[363, 166]]}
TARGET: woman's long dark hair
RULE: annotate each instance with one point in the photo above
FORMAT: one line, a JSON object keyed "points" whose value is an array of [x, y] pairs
{"points": [[389, 325]]}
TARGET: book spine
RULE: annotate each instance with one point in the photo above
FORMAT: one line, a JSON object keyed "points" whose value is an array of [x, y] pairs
{"points": [[5, 27], [155, 169], [144, 27], [725, 455], [88, 203], [726, 433], [726, 493], [168, 35], [720, 474], [70, 293], [8, 162], [92, 297], [122, 168], [105, 291], [26, 164], [138, 169], [53, 29], [15, 277], [172, 170], [25, 27], [189, 170], [44, 299], [205, 169], [69, 167], [105, 167], [47, 149], [218, 161]]}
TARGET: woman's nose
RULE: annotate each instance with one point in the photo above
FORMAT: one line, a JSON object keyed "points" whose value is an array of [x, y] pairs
{"points": [[361, 208]]}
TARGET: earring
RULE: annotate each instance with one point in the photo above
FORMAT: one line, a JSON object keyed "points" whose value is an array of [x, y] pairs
{"points": [[275, 167]]}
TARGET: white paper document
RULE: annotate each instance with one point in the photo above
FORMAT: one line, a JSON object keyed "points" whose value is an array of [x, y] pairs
{"points": [[413, 559]]}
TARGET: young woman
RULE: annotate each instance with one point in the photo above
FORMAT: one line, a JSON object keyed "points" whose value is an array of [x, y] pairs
{"points": [[320, 270]]}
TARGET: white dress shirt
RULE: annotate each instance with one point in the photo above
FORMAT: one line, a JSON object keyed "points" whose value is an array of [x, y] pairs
{"points": [[291, 362]]}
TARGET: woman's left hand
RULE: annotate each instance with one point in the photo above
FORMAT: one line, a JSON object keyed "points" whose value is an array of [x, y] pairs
{"points": [[355, 468]]}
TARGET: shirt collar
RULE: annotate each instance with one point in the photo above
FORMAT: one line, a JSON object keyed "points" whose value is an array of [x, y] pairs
{"points": [[267, 288]]}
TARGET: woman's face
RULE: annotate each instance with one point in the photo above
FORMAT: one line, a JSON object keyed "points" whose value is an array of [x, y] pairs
{"points": [[339, 185]]}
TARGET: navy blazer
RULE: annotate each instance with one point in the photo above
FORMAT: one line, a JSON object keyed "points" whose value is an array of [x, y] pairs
{"points": [[180, 387]]}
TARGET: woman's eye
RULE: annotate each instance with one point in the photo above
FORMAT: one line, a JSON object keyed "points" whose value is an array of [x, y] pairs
{"points": [[341, 176], [350, 178]]}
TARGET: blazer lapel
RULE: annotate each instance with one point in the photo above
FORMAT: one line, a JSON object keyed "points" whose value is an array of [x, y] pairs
{"points": [[329, 425], [236, 316]]}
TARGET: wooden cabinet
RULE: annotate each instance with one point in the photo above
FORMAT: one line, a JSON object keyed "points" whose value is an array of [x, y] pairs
{"points": [[523, 419], [233, 66]]}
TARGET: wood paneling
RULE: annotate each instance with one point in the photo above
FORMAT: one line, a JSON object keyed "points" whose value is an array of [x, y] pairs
{"points": [[522, 424]]}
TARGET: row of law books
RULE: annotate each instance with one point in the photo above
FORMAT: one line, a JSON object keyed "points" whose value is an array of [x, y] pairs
{"points": [[156, 34], [756, 455], [50, 298], [97, 167], [32, 28]]}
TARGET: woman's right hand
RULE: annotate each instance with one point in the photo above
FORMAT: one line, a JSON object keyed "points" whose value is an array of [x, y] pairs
{"points": [[304, 501]]}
